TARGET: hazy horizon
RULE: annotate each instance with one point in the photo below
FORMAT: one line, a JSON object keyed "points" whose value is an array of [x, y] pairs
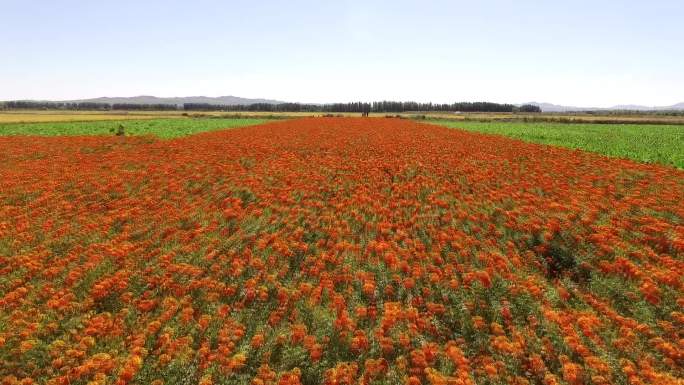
{"points": [[164, 100], [581, 53]]}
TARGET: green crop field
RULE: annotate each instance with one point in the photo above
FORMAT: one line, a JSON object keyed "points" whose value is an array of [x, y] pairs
{"points": [[646, 143], [163, 128]]}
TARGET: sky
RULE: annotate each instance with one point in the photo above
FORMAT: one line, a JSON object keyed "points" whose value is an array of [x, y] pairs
{"points": [[595, 53]]}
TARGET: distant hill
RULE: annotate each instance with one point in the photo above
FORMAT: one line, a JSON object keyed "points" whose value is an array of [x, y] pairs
{"points": [[236, 100], [147, 99], [548, 107]]}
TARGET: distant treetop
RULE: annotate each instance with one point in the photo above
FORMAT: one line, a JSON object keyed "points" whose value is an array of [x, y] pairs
{"points": [[382, 106]]}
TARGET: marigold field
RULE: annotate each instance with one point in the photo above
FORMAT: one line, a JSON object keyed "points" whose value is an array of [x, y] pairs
{"points": [[336, 251]]}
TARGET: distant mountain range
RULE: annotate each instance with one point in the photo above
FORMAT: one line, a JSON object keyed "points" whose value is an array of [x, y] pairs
{"points": [[147, 99], [548, 107], [235, 100]]}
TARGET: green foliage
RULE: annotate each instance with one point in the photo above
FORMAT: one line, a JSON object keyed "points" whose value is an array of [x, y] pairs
{"points": [[163, 128], [646, 143]]}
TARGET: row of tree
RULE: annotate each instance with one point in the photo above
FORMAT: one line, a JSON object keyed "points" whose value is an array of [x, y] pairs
{"points": [[37, 105], [84, 106], [383, 106], [144, 107]]}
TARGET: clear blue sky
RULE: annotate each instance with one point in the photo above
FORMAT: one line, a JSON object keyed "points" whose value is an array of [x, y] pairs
{"points": [[588, 53]]}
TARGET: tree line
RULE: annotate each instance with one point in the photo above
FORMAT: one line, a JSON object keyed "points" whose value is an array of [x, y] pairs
{"points": [[384, 106], [362, 107], [84, 106]]}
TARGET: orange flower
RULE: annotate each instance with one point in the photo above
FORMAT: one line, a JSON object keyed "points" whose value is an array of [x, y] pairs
{"points": [[257, 341], [369, 240]]}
